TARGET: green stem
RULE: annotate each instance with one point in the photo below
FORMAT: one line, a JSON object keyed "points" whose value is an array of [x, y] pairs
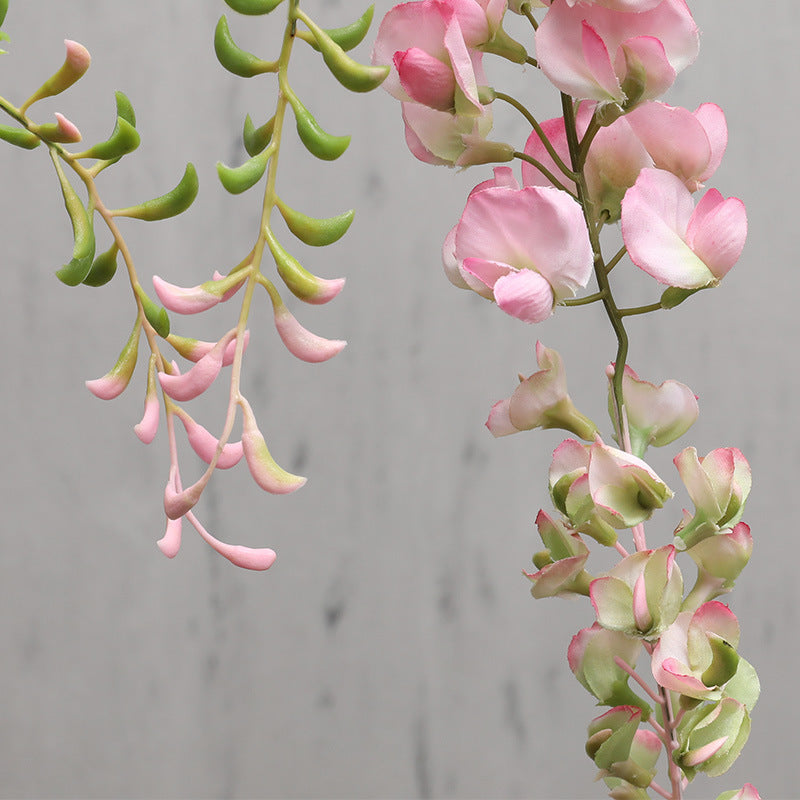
{"points": [[583, 301], [559, 162], [630, 312], [526, 10], [546, 172]]}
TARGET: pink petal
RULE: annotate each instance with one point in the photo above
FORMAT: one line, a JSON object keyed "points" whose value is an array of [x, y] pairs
{"points": [[486, 272], [717, 231], [645, 55], [425, 78], [525, 295], [599, 65], [712, 118], [462, 62], [499, 422], [676, 140], [67, 131]]}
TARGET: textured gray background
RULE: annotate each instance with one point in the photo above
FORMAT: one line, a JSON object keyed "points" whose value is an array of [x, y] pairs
{"points": [[393, 650]]}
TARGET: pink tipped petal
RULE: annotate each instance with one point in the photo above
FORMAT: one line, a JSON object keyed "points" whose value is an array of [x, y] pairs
{"points": [[146, 429], [499, 422], [463, 65], [525, 295], [263, 467], [641, 613], [300, 342], [108, 387], [170, 543], [717, 232], [425, 78], [184, 301], [450, 262]]}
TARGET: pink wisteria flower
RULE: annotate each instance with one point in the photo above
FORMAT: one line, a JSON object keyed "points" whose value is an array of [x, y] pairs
{"points": [[674, 241], [602, 53], [526, 249]]}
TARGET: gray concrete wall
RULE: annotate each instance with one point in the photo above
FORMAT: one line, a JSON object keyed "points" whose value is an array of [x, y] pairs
{"points": [[393, 650]]}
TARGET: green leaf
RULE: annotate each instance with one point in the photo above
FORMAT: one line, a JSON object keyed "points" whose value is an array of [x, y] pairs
{"points": [[156, 315], [318, 142], [20, 137], [352, 75], [82, 231], [167, 205], [239, 179], [125, 108], [124, 139], [674, 296], [347, 37], [103, 268], [256, 139], [3, 10], [313, 231], [236, 60], [253, 7]]}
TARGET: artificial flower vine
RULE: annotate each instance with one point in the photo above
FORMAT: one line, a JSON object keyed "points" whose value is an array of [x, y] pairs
{"points": [[616, 156], [177, 386]]}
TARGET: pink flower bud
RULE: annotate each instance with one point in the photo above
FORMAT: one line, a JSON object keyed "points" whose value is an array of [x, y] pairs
{"points": [[206, 445], [197, 298], [200, 376], [265, 471], [170, 543]]}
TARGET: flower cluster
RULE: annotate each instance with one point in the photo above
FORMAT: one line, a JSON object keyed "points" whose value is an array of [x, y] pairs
{"points": [[618, 160]]}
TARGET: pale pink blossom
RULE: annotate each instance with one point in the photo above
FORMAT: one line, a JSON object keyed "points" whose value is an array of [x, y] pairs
{"points": [[524, 248], [674, 241], [170, 542], [613, 56]]}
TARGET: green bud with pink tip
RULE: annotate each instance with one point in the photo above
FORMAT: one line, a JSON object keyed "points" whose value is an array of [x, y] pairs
{"points": [[73, 69], [116, 380]]}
